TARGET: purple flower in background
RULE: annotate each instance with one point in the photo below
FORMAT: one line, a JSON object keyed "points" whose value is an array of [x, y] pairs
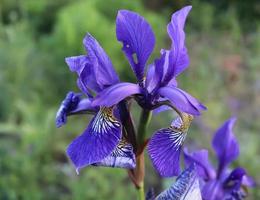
{"points": [[186, 187], [221, 183], [159, 84], [101, 143]]}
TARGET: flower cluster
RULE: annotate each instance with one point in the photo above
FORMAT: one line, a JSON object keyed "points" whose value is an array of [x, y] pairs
{"points": [[111, 139]]}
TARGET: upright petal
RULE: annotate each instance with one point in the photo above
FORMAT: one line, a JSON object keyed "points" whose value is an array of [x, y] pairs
{"points": [[179, 58], [103, 67], [70, 105], [116, 93], [185, 188], [213, 190], [200, 158], [138, 40], [97, 141], [155, 74], [122, 157], [86, 74], [183, 101], [164, 150], [225, 144]]}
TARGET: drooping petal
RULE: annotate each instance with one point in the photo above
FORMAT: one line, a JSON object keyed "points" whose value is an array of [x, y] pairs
{"points": [[70, 105], [97, 141], [185, 188], [122, 157], [200, 158], [103, 67], [116, 93], [181, 100], [150, 194], [198, 105], [225, 144], [164, 150], [138, 40]]}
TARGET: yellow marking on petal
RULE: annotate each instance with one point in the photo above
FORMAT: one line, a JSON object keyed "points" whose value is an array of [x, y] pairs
{"points": [[187, 119]]}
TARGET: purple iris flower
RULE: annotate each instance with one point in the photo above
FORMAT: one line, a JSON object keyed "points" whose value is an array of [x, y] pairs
{"points": [[186, 187], [159, 87], [159, 84], [102, 143], [221, 183]]}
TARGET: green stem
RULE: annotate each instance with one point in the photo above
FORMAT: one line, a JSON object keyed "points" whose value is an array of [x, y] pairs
{"points": [[145, 119], [141, 192], [140, 165]]}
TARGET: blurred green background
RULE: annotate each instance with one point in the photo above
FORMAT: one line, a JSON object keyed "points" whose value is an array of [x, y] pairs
{"points": [[223, 38]]}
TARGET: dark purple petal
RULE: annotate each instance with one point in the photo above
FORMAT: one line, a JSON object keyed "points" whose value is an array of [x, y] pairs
{"points": [[185, 188], [122, 157], [225, 144], [88, 79], [164, 150], [200, 158], [103, 67], [155, 74], [213, 190], [86, 74], [72, 104], [97, 141], [115, 94], [137, 38], [150, 194], [181, 100], [234, 180]]}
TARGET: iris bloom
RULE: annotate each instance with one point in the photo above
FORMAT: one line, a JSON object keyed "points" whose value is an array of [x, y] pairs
{"points": [[186, 187], [159, 86], [221, 183], [100, 83], [101, 143]]}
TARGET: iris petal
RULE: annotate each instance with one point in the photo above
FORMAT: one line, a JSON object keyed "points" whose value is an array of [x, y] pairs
{"points": [[185, 188], [150, 194], [116, 93], [138, 40], [103, 67], [122, 157], [183, 101], [178, 59], [97, 141], [200, 158], [164, 150], [70, 105], [225, 145]]}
